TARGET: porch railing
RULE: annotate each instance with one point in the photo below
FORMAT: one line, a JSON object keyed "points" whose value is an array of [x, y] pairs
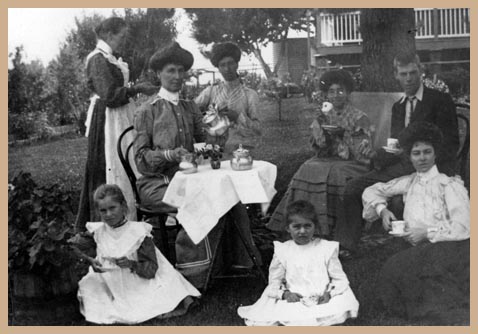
{"points": [[344, 28]]}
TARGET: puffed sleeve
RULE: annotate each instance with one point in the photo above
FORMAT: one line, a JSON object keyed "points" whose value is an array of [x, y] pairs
{"points": [[378, 194], [149, 160], [276, 274], [104, 84], [252, 120], [318, 141], [204, 98], [456, 226], [199, 134], [147, 263], [338, 279]]}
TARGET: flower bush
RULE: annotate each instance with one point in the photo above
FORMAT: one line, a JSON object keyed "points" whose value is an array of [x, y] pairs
{"points": [[40, 221], [211, 151]]}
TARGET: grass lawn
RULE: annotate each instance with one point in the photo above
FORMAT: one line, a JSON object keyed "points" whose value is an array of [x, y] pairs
{"points": [[286, 145]]}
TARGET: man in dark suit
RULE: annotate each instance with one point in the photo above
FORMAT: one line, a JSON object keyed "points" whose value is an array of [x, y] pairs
{"points": [[418, 104]]}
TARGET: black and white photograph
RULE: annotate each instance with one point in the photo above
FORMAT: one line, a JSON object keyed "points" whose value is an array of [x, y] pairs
{"points": [[239, 166]]}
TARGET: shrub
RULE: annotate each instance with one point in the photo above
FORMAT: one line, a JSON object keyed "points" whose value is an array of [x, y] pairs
{"points": [[40, 221], [29, 124]]}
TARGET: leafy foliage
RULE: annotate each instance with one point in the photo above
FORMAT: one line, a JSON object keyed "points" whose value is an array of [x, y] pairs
{"points": [[40, 221], [26, 97], [250, 28]]}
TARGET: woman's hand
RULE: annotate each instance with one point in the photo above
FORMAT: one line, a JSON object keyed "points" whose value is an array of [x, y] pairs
{"points": [[387, 217], [231, 114], [324, 298], [124, 262], [145, 88], [178, 152], [416, 234], [291, 297], [365, 149], [96, 265]]}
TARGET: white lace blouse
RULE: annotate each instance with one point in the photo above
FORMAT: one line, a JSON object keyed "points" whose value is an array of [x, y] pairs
{"points": [[433, 200]]}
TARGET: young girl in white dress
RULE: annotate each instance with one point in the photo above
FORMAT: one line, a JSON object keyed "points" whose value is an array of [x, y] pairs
{"points": [[129, 280], [307, 286]]}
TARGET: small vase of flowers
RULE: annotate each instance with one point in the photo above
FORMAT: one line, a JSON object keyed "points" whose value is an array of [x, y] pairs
{"points": [[214, 153]]}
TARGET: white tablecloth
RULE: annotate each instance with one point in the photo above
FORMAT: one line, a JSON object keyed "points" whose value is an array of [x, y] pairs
{"points": [[204, 197]]}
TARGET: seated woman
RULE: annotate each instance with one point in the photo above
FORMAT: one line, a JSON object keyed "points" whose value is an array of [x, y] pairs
{"points": [[167, 128], [429, 281], [335, 138]]}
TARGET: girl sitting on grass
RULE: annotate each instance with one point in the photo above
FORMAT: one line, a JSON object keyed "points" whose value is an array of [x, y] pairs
{"points": [[129, 280], [307, 286]]}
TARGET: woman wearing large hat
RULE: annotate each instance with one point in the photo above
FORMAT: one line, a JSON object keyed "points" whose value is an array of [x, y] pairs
{"points": [[158, 153], [238, 102]]}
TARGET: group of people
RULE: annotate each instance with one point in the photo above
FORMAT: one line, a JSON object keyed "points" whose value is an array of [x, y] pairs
{"points": [[322, 212]]}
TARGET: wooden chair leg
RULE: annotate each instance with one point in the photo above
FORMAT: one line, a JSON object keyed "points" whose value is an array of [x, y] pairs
{"points": [[164, 237], [250, 252]]}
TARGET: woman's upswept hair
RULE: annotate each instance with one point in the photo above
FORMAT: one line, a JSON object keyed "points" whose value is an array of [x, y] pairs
{"points": [[339, 77], [110, 25], [109, 190], [304, 209], [421, 132]]}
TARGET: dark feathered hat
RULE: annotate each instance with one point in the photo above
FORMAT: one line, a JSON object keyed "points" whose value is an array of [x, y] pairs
{"points": [[221, 50], [171, 54], [421, 132]]}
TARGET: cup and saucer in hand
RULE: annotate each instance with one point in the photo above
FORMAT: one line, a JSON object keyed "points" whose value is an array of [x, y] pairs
{"points": [[398, 228], [392, 146], [109, 264]]}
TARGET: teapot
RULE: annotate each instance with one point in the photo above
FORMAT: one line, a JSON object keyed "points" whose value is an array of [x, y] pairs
{"points": [[217, 124], [241, 159], [188, 164]]}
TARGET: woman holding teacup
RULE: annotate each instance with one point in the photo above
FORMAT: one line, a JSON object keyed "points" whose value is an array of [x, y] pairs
{"points": [[337, 132], [430, 280]]}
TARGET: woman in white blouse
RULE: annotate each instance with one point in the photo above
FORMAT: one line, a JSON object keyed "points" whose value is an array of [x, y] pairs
{"points": [[429, 281]]}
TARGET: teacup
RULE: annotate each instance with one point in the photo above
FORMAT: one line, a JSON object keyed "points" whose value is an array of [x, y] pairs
{"points": [[327, 107], [398, 226], [392, 143]]}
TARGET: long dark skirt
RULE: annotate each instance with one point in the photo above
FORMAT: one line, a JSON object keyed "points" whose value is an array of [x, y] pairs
{"points": [[321, 181], [429, 282], [95, 168]]}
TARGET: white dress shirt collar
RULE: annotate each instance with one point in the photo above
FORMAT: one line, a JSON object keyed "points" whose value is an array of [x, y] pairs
{"points": [[418, 94], [104, 47], [168, 96], [429, 174]]}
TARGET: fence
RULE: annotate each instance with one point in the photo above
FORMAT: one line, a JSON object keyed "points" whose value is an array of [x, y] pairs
{"points": [[343, 28]]}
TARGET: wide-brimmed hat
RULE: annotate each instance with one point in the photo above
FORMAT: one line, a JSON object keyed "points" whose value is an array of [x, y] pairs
{"points": [[221, 50], [171, 54]]}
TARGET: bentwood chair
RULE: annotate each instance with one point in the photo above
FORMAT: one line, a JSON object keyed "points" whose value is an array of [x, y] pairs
{"points": [[463, 160], [158, 217]]}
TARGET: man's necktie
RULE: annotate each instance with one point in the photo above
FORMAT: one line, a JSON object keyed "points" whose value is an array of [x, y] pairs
{"points": [[409, 109]]}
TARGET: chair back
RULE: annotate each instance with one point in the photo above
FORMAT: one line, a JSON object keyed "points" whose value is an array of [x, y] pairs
{"points": [[378, 107], [124, 156], [463, 167]]}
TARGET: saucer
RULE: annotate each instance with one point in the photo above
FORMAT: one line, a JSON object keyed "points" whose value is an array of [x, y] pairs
{"points": [[391, 150], [330, 127], [396, 234]]}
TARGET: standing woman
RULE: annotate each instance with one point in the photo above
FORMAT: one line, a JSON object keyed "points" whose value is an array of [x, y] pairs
{"points": [[110, 112]]}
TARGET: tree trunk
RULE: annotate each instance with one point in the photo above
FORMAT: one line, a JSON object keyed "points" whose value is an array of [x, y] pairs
{"points": [[385, 32], [265, 67]]}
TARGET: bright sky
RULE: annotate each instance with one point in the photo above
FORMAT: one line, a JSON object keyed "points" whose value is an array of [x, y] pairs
{"points": [[42, 30]]}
